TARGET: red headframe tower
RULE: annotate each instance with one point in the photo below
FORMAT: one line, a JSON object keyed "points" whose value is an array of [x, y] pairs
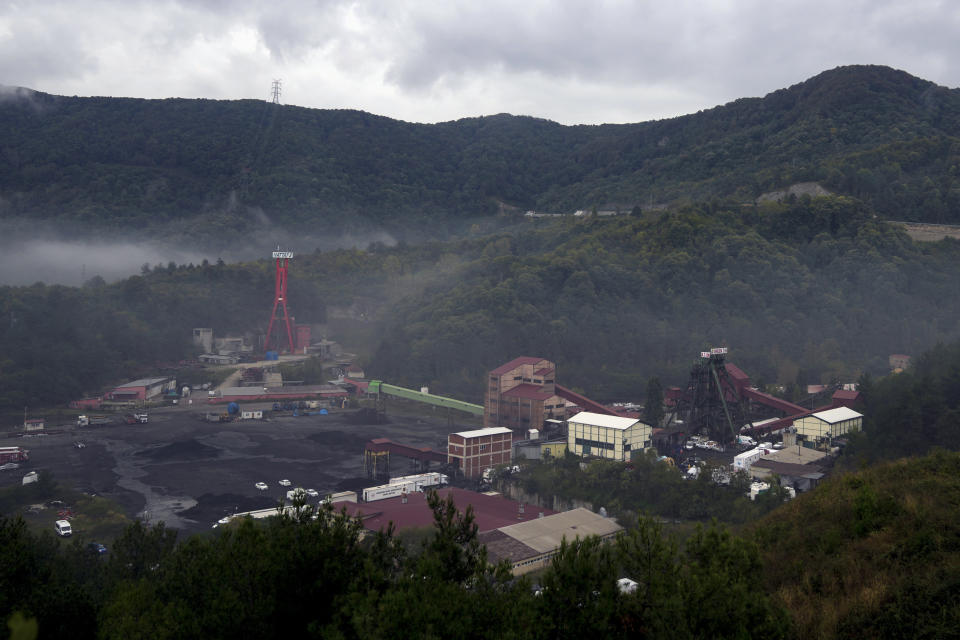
{"points": [[280, 298]]}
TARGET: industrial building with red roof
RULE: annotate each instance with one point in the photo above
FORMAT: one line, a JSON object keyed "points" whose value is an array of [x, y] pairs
{"points": [[521, 394], [523, 534], [490, 511]]}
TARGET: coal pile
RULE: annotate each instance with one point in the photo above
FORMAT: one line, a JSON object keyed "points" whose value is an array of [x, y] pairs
{"points": [[183, 450], [339, 439], [366, 416]]}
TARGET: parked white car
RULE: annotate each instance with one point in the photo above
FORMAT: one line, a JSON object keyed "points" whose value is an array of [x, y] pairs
{"points": [[262, 486], [313, 493], [284, 483]]}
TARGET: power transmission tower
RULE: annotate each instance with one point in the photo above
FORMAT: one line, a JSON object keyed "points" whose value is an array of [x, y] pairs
{"points": [[275, 91], [280, 298]]}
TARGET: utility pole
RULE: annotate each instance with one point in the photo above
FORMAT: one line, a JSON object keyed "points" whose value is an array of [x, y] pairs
{"points": [[275, 91]]}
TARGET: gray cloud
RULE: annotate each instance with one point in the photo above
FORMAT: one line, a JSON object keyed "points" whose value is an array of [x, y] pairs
{"points": [[574, 61]]}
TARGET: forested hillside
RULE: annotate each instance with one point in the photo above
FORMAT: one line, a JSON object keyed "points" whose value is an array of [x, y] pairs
{"points": [[220, 170], [297, 577], [872, 554], [802, 292]]}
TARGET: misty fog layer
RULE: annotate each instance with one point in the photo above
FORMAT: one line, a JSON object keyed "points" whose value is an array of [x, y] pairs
{"points": [[74, 262], [24, 261]]}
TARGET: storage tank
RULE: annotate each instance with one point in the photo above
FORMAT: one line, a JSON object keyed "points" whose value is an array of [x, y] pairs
{"points": [[233, 408]]}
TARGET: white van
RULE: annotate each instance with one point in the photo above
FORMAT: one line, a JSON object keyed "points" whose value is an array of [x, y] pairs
{"points": [[62, 527]]}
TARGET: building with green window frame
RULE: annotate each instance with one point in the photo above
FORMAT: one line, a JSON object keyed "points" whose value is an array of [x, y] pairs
{"points": [[602, 436]]}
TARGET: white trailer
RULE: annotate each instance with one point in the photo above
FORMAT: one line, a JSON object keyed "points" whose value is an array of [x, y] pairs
{"points": [[422, 480], [341, 496], [743, 461], [384, 491]]}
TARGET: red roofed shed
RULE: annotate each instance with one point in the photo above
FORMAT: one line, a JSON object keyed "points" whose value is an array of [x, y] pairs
{"points": [[491, 512], [845, 398]]}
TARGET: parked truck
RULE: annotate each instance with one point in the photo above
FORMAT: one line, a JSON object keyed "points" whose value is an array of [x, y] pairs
{"points": [[85, 421], [13, 454]]}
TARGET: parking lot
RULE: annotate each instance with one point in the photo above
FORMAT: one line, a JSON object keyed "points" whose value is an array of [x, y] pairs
{"points": [[189, 473]]}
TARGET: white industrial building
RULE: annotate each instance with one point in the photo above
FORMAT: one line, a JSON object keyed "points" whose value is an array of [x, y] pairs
{"points": [[825, 425], [603, 436]]}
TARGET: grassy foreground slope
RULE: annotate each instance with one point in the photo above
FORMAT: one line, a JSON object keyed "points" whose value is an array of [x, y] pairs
{"points": [[873, 554]]}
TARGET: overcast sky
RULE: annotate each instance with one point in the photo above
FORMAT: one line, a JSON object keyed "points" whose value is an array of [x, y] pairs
{"points": [[569, 61]]}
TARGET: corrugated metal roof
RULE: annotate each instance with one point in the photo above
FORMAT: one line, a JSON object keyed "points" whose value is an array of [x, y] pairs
{"points": [[837, 415], [500, 546], [492, 431], [513, 364], [600, 420], [143, 382], [844, 394], [242, 391], [788, 469], [490, 512], [797, 455], [545, 534]]}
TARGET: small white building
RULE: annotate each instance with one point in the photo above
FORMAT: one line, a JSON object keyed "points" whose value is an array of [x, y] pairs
{"points": [[825, 425], [603, 436]]}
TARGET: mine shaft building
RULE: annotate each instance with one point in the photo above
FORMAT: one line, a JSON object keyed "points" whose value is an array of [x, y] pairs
{"points": [[521, 394], [602, 436]]}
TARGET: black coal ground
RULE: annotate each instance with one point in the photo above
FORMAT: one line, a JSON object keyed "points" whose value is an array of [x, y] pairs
{"points": [[188, 473]]}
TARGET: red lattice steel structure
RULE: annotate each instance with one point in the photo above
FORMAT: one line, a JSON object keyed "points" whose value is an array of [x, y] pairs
{"points": [[280, 298]]}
